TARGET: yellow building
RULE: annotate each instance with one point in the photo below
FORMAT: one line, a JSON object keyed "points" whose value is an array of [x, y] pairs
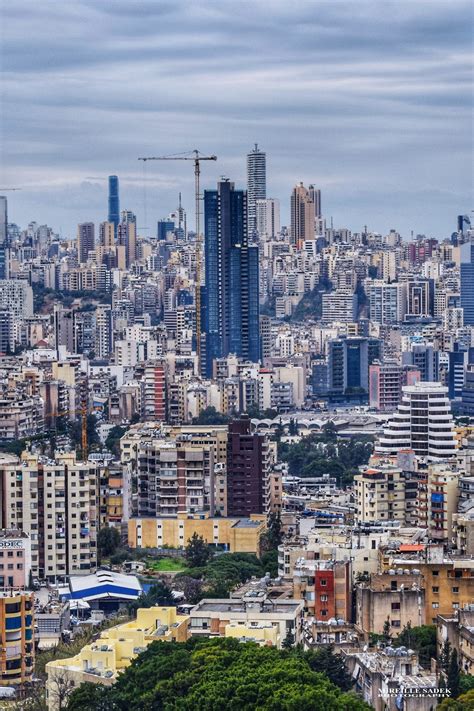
{"points": [[263, 633], [102, 661], [448, 581], [238, 535], [17, 650]]}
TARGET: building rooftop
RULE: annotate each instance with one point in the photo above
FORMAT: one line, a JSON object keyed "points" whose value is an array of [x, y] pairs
{"points": [[259, 603], [104, 584], [247, 523]]}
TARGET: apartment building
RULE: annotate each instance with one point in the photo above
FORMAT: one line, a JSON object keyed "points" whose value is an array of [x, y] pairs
{"points": [[248, 469], [56, 503], [325, 586], [458, 630], [15, 558], [442, 499], [21, 414], [448, 579], [174, 476], [380, 493], [395, 595], [17, 638], [252, 618], [102, 661], [423, 423]]}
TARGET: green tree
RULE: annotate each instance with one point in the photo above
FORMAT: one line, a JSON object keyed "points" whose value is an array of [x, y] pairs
{"points": [[226, 675], [272, 537], [113, 439], [89, 696], [465, 702], [289, 641], [269, 562], [326, 660], [210, 416], [466, 683], [445, 656], [158, 594], [197, 552], [386, 630], [108, 540], [422, 639], [453, 676]]}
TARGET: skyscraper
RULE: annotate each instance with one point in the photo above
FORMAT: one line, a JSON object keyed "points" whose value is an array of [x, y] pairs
{"points": [[302, 216], [423, 423], [85, 241], [268, 217], [114, 202], [127, 235], [467, 282], [3, 237], [315, 196], [256, 184], [230, 296]]}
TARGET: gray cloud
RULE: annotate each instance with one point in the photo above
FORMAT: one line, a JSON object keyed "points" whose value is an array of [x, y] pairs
{"points": [[372, 101]]}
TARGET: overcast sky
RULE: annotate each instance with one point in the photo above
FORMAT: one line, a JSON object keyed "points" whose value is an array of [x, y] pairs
{"points": [[371, 101]]}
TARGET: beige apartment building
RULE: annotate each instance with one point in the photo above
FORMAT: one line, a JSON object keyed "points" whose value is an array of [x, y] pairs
{"points": [[380, 493], [396, 595], [56, 503]]}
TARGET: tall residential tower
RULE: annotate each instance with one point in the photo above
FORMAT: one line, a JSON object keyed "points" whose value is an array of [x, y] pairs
{"points": [[256, 184], [114, 202], [302, 215], [230, 296]]}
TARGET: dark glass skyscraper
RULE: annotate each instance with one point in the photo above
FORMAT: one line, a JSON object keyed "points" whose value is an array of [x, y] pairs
{"points": [[114, 202], [230, 306], [467, 282]]}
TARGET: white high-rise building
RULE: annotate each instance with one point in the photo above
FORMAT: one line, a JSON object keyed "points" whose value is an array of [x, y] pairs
{"points": [[387, 302], [268, 217], [256, 184], [16, 296], [423, 423]]}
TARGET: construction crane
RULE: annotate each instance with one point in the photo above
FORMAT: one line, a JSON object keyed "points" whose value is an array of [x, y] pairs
{"points": [[197, 157], [84, 433]]}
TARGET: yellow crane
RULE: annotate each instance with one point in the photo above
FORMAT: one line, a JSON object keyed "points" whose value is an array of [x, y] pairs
{"points": [[197, 157]]}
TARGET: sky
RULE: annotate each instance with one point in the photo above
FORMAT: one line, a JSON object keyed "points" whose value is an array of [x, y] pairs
{"points": [[370, 101]]}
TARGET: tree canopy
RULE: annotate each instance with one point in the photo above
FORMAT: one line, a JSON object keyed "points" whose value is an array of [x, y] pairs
{"points": [[108, 540], [197, 551], [210, 416], [422, 639], [218, 675], [322, 453]]}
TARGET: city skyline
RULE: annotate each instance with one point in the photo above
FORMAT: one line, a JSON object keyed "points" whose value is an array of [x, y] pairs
{"points": [[372, 107]]}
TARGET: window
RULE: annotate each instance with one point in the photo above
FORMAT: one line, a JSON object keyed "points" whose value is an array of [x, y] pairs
{"points": [[395, 605], [455, 590], [393, 585], [324, 598], [435, 605], [435, 589], [396, 623], [435, 573], [324, 582]]}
